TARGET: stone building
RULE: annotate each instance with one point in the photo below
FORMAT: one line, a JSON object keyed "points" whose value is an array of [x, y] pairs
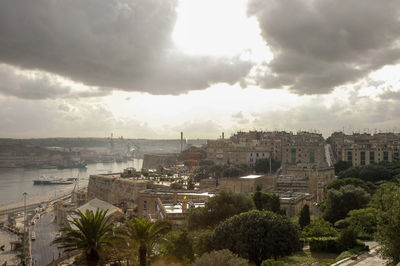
{"points": [[310, 180], [112, 188], [148, 200], [365, 148], [304, 150], [246, 184], [293, 202], [175, 212]]}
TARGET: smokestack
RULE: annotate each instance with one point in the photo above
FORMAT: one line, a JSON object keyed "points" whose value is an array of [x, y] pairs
{"points": [[181, 141], [223, 135]]}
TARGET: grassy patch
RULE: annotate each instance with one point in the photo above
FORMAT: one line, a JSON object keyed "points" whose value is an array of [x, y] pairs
{"points": [[308, 258]]}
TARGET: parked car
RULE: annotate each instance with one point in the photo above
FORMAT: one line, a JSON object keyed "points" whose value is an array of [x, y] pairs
{"points": [[33, 235]]}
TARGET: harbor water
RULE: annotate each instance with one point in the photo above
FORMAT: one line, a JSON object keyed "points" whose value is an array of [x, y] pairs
{"points": [[15, 181]]}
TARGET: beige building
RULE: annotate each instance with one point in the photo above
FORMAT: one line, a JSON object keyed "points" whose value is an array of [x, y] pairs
{"points": [[246, 184], [293, 202], [310, 180], [148, 200], [112, 188], [175, 212], [365, 148]]}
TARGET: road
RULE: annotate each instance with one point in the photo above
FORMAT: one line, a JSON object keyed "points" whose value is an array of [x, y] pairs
{"points": [[42, 251], [367, 258], [330, 159]]}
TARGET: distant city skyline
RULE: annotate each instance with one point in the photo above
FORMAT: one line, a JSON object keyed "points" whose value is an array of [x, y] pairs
{"points": [[151, 69]]}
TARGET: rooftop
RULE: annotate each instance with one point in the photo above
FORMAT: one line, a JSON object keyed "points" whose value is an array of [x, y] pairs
{"points": [[251, 176]]}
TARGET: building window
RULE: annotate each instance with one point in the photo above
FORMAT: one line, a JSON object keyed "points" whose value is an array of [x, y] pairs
{"points": [[396, 156], [371, 157], [349, 156], [363, 158], [386, 156], [144, 205], [312, 156], [293, 156]]}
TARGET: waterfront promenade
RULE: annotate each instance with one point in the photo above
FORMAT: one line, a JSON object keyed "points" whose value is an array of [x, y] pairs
{"points": [[33, 202]]}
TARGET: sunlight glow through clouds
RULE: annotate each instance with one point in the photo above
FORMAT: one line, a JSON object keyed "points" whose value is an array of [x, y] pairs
{"points": [[219, 28]]}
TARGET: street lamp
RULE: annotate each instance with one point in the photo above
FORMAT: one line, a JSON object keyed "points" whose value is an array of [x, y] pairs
{"points": [[24, 239]]}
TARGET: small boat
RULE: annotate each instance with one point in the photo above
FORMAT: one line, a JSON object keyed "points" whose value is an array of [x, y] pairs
{"points": [[51, 181]]}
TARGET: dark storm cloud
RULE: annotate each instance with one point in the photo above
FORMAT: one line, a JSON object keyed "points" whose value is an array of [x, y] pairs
{"points": [[39, 86], [108, 43], [318, 45]]}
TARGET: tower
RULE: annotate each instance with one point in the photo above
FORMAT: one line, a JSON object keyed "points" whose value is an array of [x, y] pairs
{"points": [[181, 141]]}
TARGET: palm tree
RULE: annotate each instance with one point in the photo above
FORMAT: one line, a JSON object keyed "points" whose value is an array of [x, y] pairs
{"points": [[146, 234], [90, 233]]}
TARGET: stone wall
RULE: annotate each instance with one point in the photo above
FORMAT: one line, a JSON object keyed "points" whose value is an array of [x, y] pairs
{"points": [[114, 189], [152, 161]]}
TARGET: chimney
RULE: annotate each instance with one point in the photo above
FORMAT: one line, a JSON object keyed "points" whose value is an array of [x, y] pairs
{"points": [[184, 205], [181, 141]]}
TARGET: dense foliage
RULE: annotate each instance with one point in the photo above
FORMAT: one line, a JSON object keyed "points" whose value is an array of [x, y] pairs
{"points": [[179, 244], [221, 257], [371, 172], [357, 182], [264, 201], [387, 202], [319, 228], [218, 208], [363, 221], [304, 218], [257, 235], [263, 165], [339, 202], [341, 166]]}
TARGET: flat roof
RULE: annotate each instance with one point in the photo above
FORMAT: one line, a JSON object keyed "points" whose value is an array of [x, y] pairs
{"points": [[177, 208], [251, 176]]}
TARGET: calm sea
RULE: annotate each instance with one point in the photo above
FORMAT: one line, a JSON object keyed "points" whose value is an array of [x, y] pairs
{"points": [[14, 182]]}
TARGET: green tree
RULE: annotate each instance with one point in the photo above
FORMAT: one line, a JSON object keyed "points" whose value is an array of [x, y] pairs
{"points": [[341, 166], [387, 202], [179, 244], [262, 165], [146, 234], [264, 201], [304, 218], [371, 172], [218, 208], [90, 233], [233, 171], [363, 221], [202, 241], [319, 228], [347, 238], [339, 202], [220, 257], [357, 182], [257, 235]]}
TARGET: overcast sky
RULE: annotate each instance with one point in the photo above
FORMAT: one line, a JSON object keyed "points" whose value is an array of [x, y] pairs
{"points": [[153, 68]]}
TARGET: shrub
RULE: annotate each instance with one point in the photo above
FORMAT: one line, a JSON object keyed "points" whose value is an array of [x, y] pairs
{"points": [[347, 238], [323, 244], [271, 262], [220, 257]]}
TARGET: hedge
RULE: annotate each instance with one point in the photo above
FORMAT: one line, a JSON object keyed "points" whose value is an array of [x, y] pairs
{"points": [[323, 244]]}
